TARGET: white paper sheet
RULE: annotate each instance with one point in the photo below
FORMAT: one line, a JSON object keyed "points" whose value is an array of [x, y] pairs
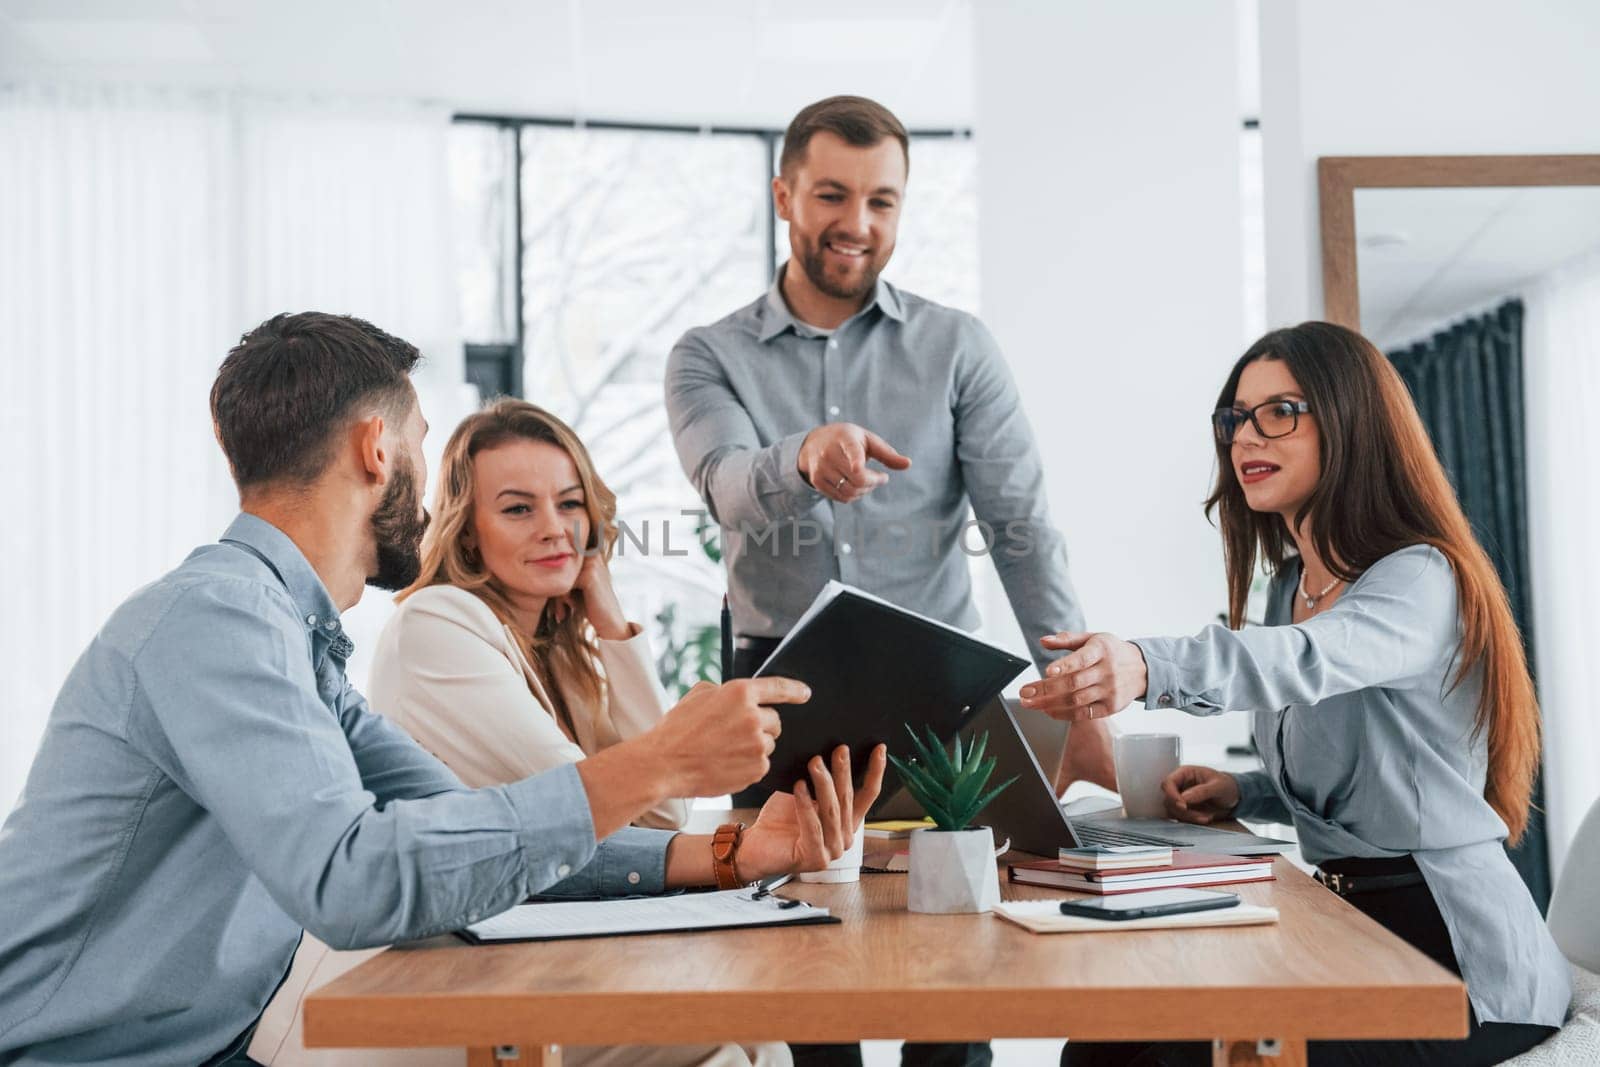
{"points": [[1044, 917], [596, 918]]}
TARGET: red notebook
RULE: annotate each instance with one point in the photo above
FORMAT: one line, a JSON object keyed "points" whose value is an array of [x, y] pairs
{"points": [[1187, 870]]}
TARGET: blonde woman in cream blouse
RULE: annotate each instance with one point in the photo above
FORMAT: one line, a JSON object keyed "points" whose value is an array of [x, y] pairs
{"points": [[508, 656]]}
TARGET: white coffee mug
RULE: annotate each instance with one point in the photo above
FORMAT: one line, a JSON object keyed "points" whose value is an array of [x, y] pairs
{"points": [[1143, 763], [847, 868]]}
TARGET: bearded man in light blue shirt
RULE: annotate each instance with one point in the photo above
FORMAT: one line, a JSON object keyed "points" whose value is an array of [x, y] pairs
{"points": [[209, 784]]}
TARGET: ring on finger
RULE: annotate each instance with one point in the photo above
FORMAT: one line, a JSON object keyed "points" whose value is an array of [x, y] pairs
{"points": [[840, 483]]}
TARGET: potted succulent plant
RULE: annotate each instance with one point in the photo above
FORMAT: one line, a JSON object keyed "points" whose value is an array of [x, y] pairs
{"points": [[952, 863]]}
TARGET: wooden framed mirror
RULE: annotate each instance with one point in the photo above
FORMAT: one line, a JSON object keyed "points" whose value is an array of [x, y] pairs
{"points": [[1479, 278], [1494, 226]]}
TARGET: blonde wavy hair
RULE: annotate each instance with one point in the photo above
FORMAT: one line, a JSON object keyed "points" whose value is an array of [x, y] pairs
{"points": [[562, 647]]}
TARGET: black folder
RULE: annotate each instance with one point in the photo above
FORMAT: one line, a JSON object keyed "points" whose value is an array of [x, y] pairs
{"points": [[873, 668]]}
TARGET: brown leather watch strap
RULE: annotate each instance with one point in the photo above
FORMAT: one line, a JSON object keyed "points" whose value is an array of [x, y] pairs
{"points": [[725, 853]]}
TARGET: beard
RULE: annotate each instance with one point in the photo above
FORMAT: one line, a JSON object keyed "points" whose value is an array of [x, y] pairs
{"points": [[813, 263], [398, 524]]}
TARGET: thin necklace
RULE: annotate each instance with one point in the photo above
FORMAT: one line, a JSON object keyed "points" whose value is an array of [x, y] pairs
{"points": [[1311, 601]]}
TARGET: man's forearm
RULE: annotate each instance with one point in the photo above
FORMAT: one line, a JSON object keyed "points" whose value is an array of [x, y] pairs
{"points": [[1044, 602], [689, 861], [622, 783], [1033, 570], [757, 487]]}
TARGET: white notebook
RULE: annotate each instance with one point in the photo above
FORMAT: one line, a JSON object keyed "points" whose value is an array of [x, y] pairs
{"points": [[644, 915], [1044, 917]]}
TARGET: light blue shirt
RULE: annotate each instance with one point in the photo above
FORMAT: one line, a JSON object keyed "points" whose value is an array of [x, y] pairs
{"points": [[743, 393], [209, 784], [1369, 749]]}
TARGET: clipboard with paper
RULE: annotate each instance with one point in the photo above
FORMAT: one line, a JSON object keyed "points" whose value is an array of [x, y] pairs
{"points": [[725, 910]]}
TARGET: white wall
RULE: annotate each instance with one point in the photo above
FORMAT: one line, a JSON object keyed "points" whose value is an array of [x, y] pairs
{"points": [[1109, 222], [1426, 77]]}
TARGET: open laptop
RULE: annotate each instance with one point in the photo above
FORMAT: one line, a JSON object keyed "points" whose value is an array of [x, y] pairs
{"points": [[1031, 816]]}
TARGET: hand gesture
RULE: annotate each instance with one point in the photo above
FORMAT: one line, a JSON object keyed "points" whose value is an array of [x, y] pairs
{"points": [[1103, 675], [1200, 794], [833, 459], [594, 595], [719, 738], [813, 826]]}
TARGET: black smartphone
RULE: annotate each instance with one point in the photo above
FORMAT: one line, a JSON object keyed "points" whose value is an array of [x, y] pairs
{"points": [[1149, 903]]}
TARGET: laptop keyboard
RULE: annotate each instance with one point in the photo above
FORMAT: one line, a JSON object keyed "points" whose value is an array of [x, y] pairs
{"points": [[1090, 834]]}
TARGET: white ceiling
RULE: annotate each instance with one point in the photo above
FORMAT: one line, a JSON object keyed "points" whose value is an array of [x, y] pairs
{"points": [[1428, 256], [733, 62]]}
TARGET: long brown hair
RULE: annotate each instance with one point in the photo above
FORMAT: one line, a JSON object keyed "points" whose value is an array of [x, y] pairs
{"points": [[561, 648], [1380, 489]]}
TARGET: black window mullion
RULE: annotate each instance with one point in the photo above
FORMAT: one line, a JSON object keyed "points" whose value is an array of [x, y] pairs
{"points": [[497, 369]]}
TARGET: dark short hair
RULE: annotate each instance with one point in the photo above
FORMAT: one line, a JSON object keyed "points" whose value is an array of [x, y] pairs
{"points": [[292, 382], [855, 119]]}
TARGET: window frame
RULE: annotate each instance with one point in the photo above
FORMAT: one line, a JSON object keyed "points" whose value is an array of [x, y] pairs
{"points": [[501, 363]]}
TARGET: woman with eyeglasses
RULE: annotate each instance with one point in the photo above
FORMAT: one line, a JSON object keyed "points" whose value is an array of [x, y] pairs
{"points": [[1389, 689]]}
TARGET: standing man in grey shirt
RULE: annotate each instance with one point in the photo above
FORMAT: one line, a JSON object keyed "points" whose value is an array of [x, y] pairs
{"points": [[209, 783], [838, 427]]}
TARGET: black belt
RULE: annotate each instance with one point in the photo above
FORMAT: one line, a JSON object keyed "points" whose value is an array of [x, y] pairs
{"points": [[1353, 875]]}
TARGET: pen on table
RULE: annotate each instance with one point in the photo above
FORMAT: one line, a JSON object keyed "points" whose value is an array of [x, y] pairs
{"points": [[765, 887]]}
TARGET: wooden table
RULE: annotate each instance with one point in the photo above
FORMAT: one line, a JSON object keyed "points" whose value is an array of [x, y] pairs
{"points": [[1324, 971]]}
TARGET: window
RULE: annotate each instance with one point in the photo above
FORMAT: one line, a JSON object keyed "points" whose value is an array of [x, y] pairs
{"points": [[584, 253]]}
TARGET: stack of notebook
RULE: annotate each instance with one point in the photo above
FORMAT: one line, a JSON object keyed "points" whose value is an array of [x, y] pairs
{"points": [[1115, 857], [1181, 869], [894, 829]]}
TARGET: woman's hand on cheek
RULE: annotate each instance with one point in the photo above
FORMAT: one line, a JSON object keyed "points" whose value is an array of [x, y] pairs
{"points": [[592, 594]]}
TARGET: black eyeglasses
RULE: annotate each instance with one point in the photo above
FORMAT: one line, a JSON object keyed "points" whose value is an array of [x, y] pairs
{"points": [[1275, 418]]}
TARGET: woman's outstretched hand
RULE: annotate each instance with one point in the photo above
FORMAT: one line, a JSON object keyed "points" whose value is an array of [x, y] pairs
{"points": [[1102, 675]]}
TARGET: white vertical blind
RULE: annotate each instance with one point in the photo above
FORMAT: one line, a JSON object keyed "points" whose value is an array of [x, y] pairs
{"points": [[1561, 373], [141, 232]]}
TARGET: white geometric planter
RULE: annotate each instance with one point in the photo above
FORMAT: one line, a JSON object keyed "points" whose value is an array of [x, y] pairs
{"points": [[953, 872]]}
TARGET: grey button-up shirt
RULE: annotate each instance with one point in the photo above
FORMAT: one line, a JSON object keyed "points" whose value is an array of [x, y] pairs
{"points": [[743, 393], [208, 784], [1370, 752]]}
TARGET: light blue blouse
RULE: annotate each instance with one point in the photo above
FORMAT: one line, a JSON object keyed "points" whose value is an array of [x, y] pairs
{"points": [[1370, 752]]}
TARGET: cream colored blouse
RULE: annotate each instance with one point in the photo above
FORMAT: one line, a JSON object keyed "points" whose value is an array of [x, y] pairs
{"points": [[453, 676]]}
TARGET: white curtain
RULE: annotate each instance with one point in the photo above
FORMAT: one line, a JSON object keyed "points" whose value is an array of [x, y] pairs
{"points": [[141, 232], [1562, 377]]}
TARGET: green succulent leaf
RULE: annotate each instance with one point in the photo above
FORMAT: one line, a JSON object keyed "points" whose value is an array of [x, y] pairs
{"points": [[979, 746], [950, 787], [932, 754], [932, 803], [969, 788], [984, 801]]}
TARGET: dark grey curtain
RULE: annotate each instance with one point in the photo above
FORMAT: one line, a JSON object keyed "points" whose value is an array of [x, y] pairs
{"points": [[1467, 383]]}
